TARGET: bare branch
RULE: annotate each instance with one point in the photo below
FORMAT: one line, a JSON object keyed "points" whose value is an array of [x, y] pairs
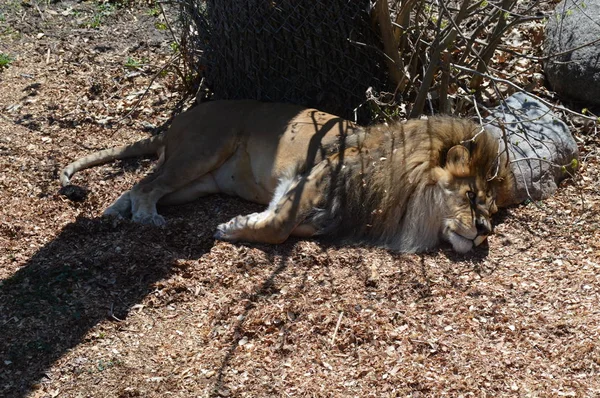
{"points": [[439, 45], [390, 45], [445, 82], [488, 51], [508, 82]]}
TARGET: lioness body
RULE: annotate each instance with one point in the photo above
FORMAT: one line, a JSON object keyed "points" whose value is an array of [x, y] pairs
{"points": [[248, 147], [402, 187]]}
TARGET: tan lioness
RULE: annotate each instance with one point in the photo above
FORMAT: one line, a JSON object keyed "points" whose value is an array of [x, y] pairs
{"points": [[403, 186]]}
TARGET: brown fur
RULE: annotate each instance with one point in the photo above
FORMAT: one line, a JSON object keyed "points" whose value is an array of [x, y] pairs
{"points": [[403, 186]]}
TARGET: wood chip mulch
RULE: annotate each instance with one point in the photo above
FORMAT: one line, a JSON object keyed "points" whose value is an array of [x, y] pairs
{"points": [[97, 308]]}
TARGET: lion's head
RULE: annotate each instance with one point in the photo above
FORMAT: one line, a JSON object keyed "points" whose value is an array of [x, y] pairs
{"points": [[470, 178], [417, 183]]}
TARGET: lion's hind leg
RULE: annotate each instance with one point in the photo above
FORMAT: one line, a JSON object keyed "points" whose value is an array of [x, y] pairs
{"points": [[198, 188], [121, 208], [286, 215], [184, 176], [145, 195], [165, 183]]}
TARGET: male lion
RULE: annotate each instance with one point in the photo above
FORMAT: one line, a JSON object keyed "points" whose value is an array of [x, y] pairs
{"points": [[403, 186]]}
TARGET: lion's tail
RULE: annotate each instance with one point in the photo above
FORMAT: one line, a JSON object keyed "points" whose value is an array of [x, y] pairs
{"points": [[144, 147]]}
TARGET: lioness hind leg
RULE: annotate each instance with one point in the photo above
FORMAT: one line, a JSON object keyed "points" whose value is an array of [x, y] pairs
{"points": [[121, 208], [146, 194], [285, 215], [203, 186], [174, 180]]}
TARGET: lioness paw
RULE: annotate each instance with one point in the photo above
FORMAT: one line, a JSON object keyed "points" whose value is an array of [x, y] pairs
{"points": [[112, 212], [149, 219]]}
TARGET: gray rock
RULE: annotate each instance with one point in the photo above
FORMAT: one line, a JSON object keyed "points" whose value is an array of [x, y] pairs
{"points": [[542, 141], [575, 74]]}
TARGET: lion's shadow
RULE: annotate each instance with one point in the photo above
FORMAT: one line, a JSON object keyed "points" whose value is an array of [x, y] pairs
{"points": [[91, 272], [96, 271]]}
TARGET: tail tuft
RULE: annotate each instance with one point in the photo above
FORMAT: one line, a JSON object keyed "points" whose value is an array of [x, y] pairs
{"points": [[74, 193]]}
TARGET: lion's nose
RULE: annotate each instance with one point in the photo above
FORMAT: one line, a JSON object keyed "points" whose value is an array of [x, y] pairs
{"points": [[483, 226]]}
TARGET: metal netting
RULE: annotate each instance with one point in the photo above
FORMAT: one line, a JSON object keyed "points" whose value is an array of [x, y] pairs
{"points": [[318, 53]]}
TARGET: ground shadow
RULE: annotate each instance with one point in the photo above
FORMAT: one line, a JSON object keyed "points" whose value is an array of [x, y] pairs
{"points": [[94, 270]]}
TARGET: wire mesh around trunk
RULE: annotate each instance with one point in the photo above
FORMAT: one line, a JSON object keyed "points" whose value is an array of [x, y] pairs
{"points": [[318, 53]]}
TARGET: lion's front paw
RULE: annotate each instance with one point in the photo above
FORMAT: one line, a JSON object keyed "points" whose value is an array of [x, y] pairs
{"points": [[238, 228], [231, 229], [149, 219]]}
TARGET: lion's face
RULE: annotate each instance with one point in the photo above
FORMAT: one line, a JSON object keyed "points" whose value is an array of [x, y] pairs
{"points": [[469, 200], [470, 206]]}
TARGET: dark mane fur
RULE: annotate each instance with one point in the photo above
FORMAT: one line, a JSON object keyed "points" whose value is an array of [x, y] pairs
{"points": [[389, 180]]}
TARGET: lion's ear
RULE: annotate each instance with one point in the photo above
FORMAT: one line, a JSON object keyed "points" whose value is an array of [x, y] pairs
{"points": [[458, 161]]}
